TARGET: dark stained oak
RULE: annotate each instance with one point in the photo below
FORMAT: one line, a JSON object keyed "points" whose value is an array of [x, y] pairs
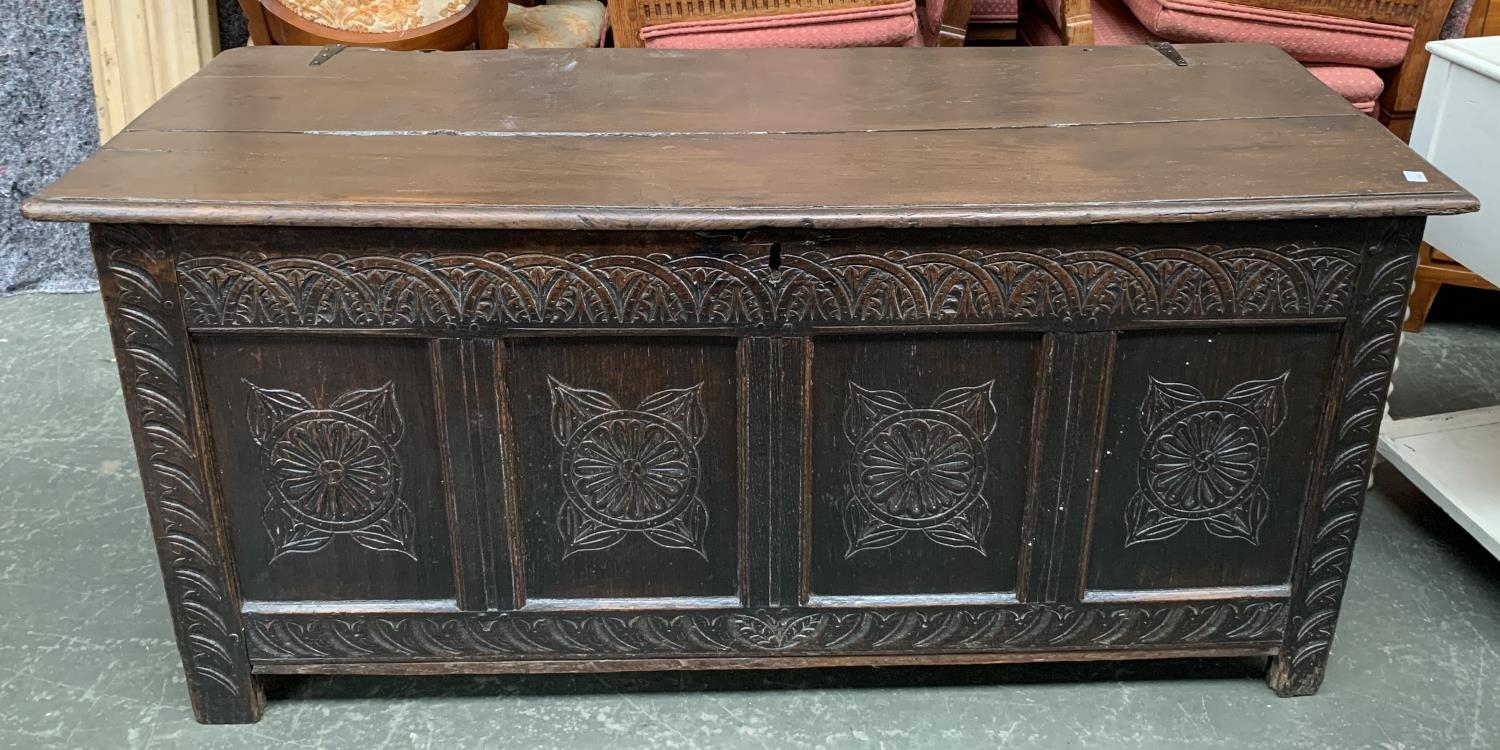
{"points": [[700, 361], [619, 92], [698, 562], [554, 139], [982, 554], [1213, 362]]}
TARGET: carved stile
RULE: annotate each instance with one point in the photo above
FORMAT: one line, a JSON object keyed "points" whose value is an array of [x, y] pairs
{"points": [[150, 344], [1332, 521]]}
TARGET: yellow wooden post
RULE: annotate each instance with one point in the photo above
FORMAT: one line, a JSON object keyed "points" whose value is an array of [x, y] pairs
{"points": [[140, 49]]}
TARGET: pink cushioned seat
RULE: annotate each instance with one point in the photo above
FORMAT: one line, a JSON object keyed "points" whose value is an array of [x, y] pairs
{"points": [[1114, 24], [991, 11], [893, 25], [1360, 86], [1304, 36], [982, 11]]}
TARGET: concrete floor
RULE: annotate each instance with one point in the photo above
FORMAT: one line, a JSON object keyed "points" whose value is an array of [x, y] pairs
{"points": [[87, 659]]}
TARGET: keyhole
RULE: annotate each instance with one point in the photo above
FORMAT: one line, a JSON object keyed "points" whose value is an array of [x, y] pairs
{"points": [[773, 261]]}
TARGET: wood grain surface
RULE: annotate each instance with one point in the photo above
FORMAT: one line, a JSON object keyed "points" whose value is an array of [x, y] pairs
{"points": [[609, 139]]}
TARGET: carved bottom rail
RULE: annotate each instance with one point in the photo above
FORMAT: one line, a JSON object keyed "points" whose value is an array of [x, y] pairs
{"points": [[679, 634]]}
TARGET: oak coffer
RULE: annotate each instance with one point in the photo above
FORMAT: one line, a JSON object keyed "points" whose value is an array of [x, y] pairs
{"points": [[611, 360]]}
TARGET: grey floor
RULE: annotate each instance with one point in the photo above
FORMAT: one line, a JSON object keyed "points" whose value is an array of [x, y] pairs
{"points": [[87, 660]]}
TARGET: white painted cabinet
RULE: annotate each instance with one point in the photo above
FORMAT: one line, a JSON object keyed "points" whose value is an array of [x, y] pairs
{"points": [[1455, 458]]}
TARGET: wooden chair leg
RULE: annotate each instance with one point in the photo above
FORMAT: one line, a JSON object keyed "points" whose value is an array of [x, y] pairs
{"points": [[490, 16], [1422, 295], [1423, 291], [1077, 24], [255, 20]]}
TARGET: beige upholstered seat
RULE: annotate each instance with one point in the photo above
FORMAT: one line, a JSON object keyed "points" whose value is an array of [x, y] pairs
{"points": [[374, 16], [558, 24]]}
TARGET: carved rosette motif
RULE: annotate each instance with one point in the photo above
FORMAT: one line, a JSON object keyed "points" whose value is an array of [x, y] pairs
{"points": [[447, 292], [331, 471], [763, 632], [629, 471], [1203, 460], [917, 470]]}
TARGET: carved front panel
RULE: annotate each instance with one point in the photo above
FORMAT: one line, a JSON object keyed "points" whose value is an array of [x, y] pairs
{"points": [[627, 464], [658, 445], [1208, 451], [918, 463], [330, 465]]}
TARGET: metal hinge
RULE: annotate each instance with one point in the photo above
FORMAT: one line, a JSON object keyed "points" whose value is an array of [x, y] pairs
{"points": [[1168, 51], [325, 54]]}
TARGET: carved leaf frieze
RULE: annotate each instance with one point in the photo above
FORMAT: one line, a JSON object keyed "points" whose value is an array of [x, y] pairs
{"points": [[762, 632], [449, 292]]}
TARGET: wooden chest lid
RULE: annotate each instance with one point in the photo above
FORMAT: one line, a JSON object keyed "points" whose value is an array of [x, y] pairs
{"points": [[632, 139]]}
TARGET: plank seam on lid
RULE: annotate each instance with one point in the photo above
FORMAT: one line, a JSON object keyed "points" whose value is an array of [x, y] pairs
{"points": [[449, 132]]}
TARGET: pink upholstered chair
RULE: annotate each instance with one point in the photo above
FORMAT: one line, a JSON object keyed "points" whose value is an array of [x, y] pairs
{"points": [[728, 24], [1347, 44], [989, 20]]}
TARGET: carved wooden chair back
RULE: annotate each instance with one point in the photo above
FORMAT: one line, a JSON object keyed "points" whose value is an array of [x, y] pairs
{"points": [[480, 24], [628, 17]]}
